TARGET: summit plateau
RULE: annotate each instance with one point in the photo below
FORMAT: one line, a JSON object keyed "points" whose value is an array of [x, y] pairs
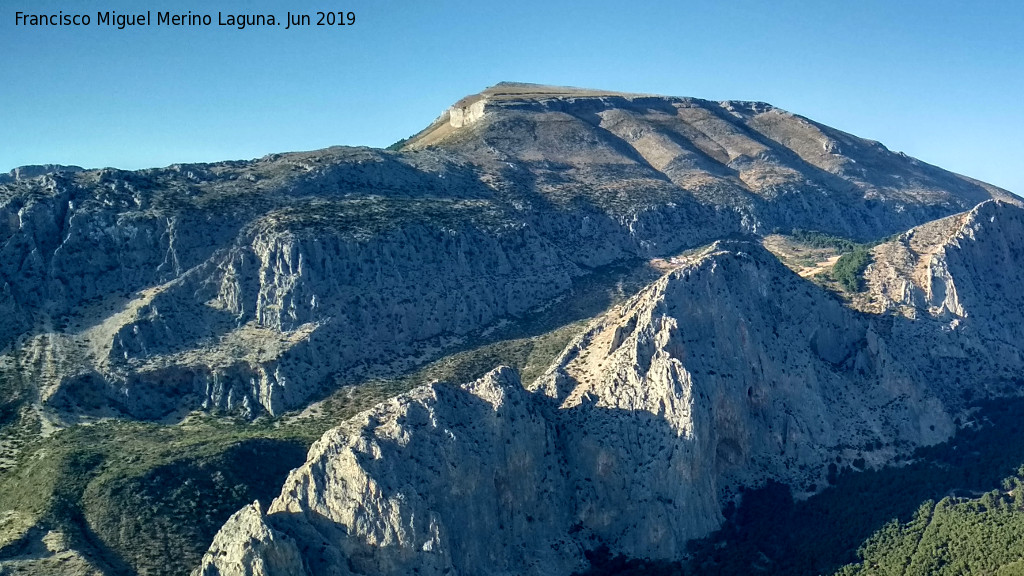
{"points": [[554, 321]]}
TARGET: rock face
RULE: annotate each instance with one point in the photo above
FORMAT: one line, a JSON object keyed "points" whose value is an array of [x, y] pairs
{"points": [[165, 300], [250, 286], [335, 300], [774, 169], [376, 498], [727, 371], [34, 171], [957, 278], [252, 548]]}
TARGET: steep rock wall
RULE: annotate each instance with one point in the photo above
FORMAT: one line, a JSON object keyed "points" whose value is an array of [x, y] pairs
{"points": [[728, 371]]}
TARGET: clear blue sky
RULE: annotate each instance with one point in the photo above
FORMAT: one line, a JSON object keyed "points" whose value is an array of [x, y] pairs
{"points": [[941, 80]]}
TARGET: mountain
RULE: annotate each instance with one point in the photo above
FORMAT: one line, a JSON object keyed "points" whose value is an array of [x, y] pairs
{"points": [[616, 253], [251, 287], [728, 371], [774, 169], [29, 172]]}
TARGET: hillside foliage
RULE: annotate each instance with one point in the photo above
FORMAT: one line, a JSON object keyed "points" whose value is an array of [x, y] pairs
{"points": [[817, 239], [849, 269]]}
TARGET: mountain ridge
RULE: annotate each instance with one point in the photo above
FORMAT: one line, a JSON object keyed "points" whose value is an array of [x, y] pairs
{"points": [[727, 372], [196, 268], [174, 300]]}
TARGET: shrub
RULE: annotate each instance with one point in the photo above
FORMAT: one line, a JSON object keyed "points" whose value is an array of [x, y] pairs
{"points": [[848, 270], [822, 240]]}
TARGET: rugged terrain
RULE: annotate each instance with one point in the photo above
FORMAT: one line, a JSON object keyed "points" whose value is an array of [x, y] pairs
{"points": [[300, 288], [727, 372], [224, 286]]}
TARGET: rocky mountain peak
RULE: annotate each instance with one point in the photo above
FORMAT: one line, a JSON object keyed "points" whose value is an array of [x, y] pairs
{"points": [[36, 170], [728, 371], [578, 234]]}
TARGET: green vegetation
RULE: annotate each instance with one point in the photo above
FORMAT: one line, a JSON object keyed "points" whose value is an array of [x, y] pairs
{"points": [[166, 516], [982, 535], [148, 498], [808, 252], [817, 239], [398, 145], [365, 217], [849, 269]]}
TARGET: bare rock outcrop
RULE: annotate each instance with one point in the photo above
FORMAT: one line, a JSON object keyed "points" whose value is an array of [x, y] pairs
{"points": [[728, 371], [250, 286], [247, 546], [956, 279], [398, 489], [36, 170], [342, 299]]}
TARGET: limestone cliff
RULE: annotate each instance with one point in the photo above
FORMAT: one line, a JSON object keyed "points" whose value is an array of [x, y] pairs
{"points": [[256, 287], [728, 371], [251, 286], [34, 171], [958, 279]]}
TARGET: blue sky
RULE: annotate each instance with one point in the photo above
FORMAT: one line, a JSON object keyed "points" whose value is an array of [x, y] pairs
{"points": [[940, 80]]}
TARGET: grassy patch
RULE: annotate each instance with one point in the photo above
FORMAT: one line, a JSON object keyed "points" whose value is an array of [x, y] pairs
{"points": [[398, 145], [811, 254], [163, 519]]}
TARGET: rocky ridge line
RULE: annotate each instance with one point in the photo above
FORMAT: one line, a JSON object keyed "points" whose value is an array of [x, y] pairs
{"points": [[237, 286], [728, 371]]}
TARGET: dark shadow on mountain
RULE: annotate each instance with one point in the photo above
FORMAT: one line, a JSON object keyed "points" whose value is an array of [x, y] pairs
{"points": [[769, 533], [471, 475], [368, 171], [163, 520], [590, 295]]}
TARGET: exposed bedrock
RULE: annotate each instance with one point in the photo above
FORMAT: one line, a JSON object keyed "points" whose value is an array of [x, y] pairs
{"points": [[251, 284], [728, 371]]}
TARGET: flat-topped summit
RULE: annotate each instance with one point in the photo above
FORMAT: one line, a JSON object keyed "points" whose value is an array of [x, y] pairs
{"points": [[524, 91], [527, 90], [471, 108], [297, 281], [617, 151]]}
